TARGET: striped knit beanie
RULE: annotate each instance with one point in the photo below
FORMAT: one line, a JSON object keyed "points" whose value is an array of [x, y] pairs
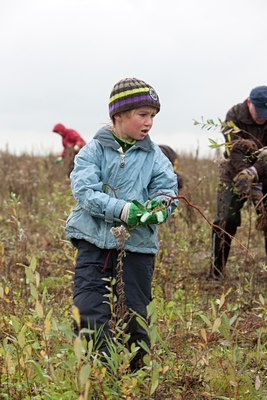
{"points": [[131, 93]]}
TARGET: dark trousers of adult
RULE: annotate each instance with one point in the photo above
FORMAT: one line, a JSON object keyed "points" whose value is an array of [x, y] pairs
{"points": [[226, 222], [92, 265]]}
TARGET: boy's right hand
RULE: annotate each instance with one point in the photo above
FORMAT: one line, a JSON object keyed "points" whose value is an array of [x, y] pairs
{"points": [[132, 212], [152, 212]]}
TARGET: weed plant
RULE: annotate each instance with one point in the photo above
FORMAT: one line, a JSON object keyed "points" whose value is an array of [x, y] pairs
{"points": [[208, 339]]}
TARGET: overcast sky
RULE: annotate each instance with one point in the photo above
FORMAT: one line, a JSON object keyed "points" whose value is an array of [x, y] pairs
{"points": [[60, 59]]}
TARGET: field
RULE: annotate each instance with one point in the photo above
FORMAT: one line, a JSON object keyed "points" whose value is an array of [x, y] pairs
{"points": [[208, 338]]}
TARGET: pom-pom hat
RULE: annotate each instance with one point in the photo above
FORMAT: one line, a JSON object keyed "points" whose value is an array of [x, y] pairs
{"points": [[130, 93]]}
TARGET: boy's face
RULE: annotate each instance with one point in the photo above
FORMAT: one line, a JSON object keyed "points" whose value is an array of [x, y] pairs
{"points": [[135, 124]]}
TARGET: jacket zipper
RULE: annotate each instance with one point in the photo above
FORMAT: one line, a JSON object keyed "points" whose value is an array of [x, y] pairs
{"points": [[122, 157]]}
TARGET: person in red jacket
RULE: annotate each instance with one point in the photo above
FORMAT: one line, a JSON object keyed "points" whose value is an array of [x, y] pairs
{"points": [[72, 142], [70, 139]]}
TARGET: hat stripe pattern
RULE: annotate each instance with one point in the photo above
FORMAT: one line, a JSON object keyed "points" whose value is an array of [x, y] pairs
{"points": [[127, 93], [132, 100], [132, 93]]}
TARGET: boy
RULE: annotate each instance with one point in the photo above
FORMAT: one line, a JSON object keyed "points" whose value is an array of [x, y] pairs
{"points": [[119, 166]]}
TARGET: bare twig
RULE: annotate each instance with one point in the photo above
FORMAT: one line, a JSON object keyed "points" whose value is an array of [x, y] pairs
{"points": [[213, 226]]}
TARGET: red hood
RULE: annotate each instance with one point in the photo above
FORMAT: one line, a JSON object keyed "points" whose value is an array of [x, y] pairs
{"points": [[59, 128]]}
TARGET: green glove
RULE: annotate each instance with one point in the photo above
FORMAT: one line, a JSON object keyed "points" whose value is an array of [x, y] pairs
{"points": [[152, 212], [132, 212], [156, 213], [154, 217], [152, 204]]}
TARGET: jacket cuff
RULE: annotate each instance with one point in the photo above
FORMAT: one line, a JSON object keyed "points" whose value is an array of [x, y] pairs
{"points": [[114, 209]]}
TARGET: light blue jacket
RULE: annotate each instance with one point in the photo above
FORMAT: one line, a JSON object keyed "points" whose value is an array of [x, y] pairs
{"points": [[104, 179]]}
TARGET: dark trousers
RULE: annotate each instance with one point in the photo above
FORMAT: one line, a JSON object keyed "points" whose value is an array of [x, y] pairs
{"points": [[92, 265], [227, 220]]}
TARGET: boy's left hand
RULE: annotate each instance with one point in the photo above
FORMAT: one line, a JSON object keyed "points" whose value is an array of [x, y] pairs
{"points": [[154, 217], [152, 204], [156, 213], [132, 212]]}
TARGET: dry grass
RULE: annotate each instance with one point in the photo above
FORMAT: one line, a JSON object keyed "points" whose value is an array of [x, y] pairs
{"points": [[202, 362]]}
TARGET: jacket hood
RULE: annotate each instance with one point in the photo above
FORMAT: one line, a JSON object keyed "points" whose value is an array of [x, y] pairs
{"points": [[59, 128]]}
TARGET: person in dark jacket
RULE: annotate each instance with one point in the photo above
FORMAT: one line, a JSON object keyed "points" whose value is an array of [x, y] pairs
{"points": [[243, 175], [172, 156]]}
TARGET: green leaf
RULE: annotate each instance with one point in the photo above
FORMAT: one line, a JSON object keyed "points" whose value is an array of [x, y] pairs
{"points": [[29, 275], [225, 327], [222, 300], [84, 374], [34, 292], [214, 144], [205, 319], [216, 325], [232, 320], [21, 337], [142, 323], [154, 378], [15, 323], [144, 346], [33, 264], [39, 309], [79, 350], [38, 371], [152, 312]]}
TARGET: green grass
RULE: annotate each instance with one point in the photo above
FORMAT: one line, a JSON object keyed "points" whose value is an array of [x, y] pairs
{"points": [[208, 338]]}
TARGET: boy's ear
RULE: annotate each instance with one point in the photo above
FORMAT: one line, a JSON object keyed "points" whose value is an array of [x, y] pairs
{"points": [[117, 117]]}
